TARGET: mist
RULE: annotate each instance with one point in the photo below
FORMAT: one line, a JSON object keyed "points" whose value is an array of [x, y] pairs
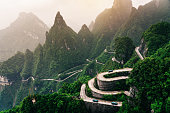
{"points": [[75, 12]]}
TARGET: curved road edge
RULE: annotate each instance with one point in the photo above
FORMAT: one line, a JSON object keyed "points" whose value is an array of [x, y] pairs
{"points": [[90, 100], [91, 86], [101, 77], [138, 53]]}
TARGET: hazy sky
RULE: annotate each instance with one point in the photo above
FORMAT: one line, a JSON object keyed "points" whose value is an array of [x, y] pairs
{"points": [[75, 12]]}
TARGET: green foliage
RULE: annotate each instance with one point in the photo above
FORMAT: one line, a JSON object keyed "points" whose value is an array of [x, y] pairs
{"points": [[54, 103], [142, 18], [151, 78], [65, 49], [92, 69], [107, 24], [123, 48], [67, 73], [121, 85], [103, 58], [38, 60], [157, 36], [74, 88], [156, 106], [7, 97], [131, 62], [65, 100], [25, 89], [61, 50], [88, 92], [128, 108], [28, 64], [86, 42], [116, 74], [13, 66], [110, 65], [101, 43], [119, 97]]}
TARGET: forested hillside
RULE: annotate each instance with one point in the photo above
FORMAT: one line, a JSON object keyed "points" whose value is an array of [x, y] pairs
{"points": [[26, 32], [150, 77], [63, 50], [108, 22], [143, 17], [49, 79]]}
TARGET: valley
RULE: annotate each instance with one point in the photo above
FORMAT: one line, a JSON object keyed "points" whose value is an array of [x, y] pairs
{"points": [[119, 64]]}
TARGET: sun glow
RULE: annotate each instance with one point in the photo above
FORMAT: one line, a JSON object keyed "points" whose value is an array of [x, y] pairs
{"points": [[75, 12]]}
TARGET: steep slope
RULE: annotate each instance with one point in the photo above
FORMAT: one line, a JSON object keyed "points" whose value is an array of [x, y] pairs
{"points": [[24, 33], [61, 50], [28, 64], [154, 38], [87, 41], [108, 22], [148, 74], [111, 19], [11, 69], [143, 17]]}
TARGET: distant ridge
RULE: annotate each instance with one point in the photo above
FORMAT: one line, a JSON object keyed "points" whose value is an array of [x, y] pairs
{"points": [[26, 32]]}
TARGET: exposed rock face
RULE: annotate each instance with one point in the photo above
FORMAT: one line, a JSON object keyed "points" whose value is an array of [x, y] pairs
{"points": [[143, 17], [24, 33], [62, 49], [59, 21], [157, 3], [123, 5], [87, 40], [111, 19], [108, 22]]}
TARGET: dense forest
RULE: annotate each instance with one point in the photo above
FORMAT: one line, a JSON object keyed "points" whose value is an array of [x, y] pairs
{"points": [[150, 76], [70, 59]]}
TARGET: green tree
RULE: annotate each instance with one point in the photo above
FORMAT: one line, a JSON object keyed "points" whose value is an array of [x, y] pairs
{"points": [[28, 64], [38, 60], [123, 48], [157, 36]]}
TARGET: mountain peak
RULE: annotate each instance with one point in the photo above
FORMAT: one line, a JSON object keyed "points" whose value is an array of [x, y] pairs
{"points": [[59, 20], [26, 20], [83, 29], [26, 32], [25, 16], [125, 4], [58, 14]]}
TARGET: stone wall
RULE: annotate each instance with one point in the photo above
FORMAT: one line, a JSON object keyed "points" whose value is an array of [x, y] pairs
{"points": [[100, 108], [109, 86], [96, 95]]}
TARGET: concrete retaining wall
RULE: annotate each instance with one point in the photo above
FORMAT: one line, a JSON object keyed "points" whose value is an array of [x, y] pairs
{"points": [[97, 95], [100, 108], [109, 86]]}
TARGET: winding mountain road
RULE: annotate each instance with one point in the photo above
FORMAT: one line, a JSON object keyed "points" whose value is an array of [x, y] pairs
{"points": [[88, 99], [115, 60], [91, 86], [100, 92], [28, 79], [138, 53], [78, 71], [102, 78], [74, 72], [99, 62]]}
